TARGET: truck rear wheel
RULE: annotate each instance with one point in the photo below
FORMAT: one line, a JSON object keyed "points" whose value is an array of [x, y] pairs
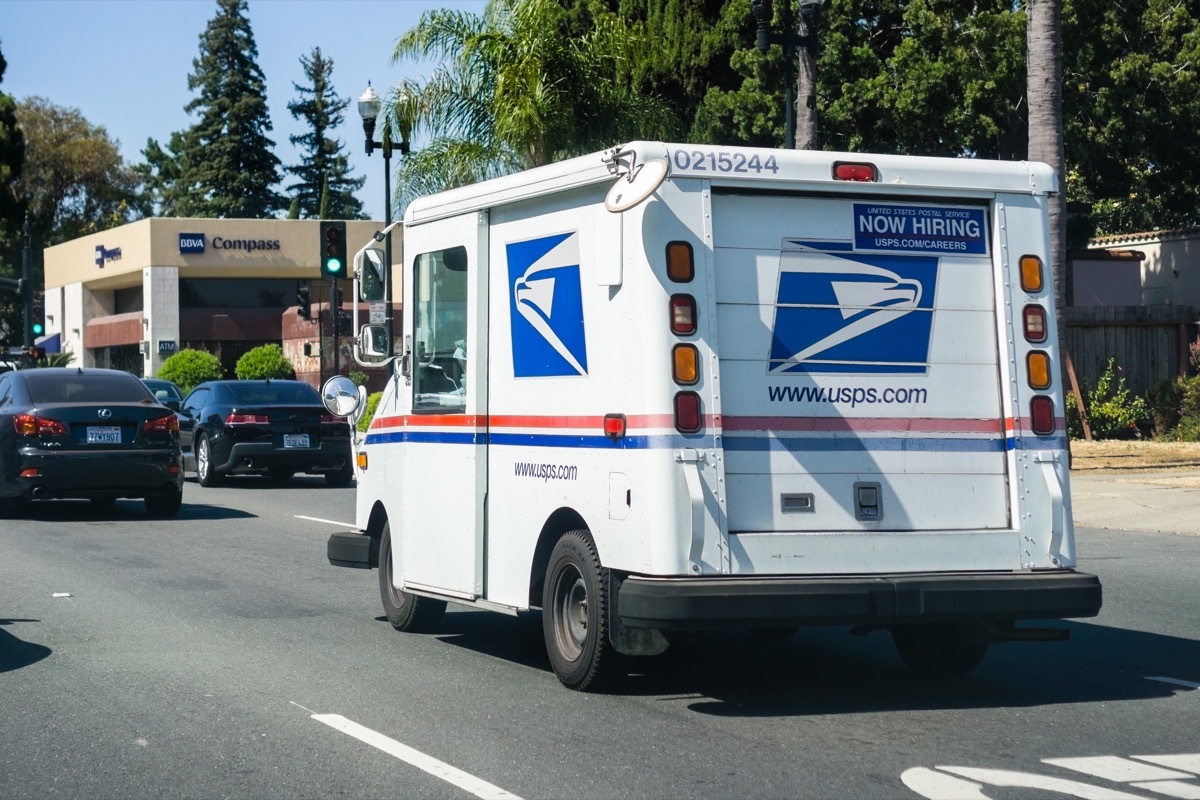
{"points": [[575, 615], [406, 612], [937, 650]]}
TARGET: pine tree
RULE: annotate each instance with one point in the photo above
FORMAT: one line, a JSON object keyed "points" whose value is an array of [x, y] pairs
{"points": [[323, 167], [226, 165]]}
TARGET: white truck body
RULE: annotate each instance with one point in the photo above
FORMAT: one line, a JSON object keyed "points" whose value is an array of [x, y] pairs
{"points": [[872, 446]]}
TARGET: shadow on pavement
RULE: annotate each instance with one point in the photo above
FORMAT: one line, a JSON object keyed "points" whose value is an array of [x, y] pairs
{"points": [[827, 671], [16, 653], [122, 511]]}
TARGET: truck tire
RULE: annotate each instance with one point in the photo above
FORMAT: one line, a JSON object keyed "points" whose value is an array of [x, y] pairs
{"points": [[406, 612], [937, 650], [206, 471], [575, 615], [341, 478]]}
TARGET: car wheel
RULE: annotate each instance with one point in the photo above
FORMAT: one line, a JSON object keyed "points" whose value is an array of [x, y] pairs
{"points": [[575, 615], [937, 650], [406, 612], [340, 478], [206, 471], [164, 505]]}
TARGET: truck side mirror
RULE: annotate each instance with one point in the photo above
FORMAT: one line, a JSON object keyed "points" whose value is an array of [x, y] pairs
{"points": [[375, 341], [372, 276]]}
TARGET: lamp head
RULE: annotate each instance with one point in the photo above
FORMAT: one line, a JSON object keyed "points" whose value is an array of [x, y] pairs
{"points": [[806, 5], [369, 104], [762, 11]]}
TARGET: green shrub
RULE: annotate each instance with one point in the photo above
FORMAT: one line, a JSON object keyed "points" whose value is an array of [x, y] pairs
{"points": [[369, 414], [1188, 428], [357, 377], [189, 368], [264, 362], [1164, 401], [1113, 412]]}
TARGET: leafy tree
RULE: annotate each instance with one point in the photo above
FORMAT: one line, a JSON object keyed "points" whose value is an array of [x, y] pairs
{"points": [[324, 167], [265, 361], [223, 165], [12, 162], [75, 179], [1131, 102], [190, 368], [512, 91]]}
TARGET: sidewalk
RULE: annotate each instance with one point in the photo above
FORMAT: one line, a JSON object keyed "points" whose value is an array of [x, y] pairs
{"points": [[1166, 500]]}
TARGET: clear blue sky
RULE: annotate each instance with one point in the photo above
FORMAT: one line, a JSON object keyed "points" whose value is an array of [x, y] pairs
{"points": [[124, 63]]}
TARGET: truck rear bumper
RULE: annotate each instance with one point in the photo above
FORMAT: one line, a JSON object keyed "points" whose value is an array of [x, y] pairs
{"points": [[750, 602]]}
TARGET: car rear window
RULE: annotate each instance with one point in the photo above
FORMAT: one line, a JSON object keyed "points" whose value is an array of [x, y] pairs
{"points": [[266, 394], [76, 387]]}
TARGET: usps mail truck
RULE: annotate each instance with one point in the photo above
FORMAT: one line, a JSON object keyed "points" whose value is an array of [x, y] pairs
{"points": [[670, 388]]}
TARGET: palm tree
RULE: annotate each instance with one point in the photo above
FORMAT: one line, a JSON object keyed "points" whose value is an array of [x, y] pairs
{"points": [[1044, 93], [513, 91]]}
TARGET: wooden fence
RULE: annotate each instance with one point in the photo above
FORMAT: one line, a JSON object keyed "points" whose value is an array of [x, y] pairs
{"points": [[1150, 343]]}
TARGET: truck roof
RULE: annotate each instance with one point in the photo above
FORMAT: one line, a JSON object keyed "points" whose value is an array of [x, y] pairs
{"points": [[791, 170]]}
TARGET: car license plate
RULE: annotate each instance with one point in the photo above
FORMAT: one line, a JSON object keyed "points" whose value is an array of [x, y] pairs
{"points": [[104, 434], [295, 440]]}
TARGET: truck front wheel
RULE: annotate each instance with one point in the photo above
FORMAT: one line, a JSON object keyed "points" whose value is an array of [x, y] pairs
{"points": [[575, 615], [406, 612], [937, 650]]}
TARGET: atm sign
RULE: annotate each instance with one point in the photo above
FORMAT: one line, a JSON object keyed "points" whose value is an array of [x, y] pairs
{"points": [[191, 243]]}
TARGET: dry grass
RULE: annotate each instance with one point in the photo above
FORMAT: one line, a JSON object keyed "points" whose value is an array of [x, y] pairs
{"points": [[1134, 455]]}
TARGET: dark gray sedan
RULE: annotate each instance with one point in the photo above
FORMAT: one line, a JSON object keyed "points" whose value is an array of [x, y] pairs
{"points": [[67, 432]]}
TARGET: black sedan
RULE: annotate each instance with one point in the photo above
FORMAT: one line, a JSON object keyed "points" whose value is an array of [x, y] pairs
{"points": [[268, 427], [99, 434]]}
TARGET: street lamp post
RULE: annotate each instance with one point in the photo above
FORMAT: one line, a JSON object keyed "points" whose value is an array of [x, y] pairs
{"points": [[807, 138], [369, 106]]}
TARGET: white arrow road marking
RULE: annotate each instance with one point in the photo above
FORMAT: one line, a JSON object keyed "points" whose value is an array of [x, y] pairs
{"points": [[1188, 762], [1029, 780], [438, 769], [1115, 768], [1184, 791]]}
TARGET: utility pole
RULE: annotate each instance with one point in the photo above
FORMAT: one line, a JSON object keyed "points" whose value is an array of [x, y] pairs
{"points": [[27, 283]]}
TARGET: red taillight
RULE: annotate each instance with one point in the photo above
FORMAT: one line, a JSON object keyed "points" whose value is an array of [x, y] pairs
{"points": [[687, 412], [29, 425], [844, 171], [1041, 415], [614, 426], [1035, 323], [246, 419], [167, 424]]}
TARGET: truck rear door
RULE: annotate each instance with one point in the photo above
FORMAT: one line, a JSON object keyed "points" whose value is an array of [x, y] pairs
{"points": [[862, 337]]}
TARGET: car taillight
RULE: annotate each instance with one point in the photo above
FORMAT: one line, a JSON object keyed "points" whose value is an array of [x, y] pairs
{"points": [[30, 425], [683, 314], [167, 424], [246, 419], [330, 419]]}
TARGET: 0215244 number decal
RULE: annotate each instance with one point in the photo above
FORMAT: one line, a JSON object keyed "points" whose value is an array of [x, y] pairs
{"points": [[722, 161]]}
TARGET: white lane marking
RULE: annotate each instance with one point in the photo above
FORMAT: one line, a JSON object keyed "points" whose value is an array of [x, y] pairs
{"points": [[1115, 768], [1174, 682], [326, 521], [438, 769], [939, 786], [1028, 780]]}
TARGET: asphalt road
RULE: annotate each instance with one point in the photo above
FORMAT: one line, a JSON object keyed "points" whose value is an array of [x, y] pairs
{"points": [[219, 655]]}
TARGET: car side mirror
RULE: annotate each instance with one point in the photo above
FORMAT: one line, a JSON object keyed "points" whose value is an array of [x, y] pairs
{"points": [[376, 342], [372, 276]]}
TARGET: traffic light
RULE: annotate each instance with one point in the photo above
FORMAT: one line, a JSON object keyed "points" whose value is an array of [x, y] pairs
{"points": [[37, 316], [304, 300], [333, 250]]}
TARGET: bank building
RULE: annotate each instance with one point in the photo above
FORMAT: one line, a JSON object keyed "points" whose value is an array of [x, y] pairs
{"points": [[130, 297]]}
